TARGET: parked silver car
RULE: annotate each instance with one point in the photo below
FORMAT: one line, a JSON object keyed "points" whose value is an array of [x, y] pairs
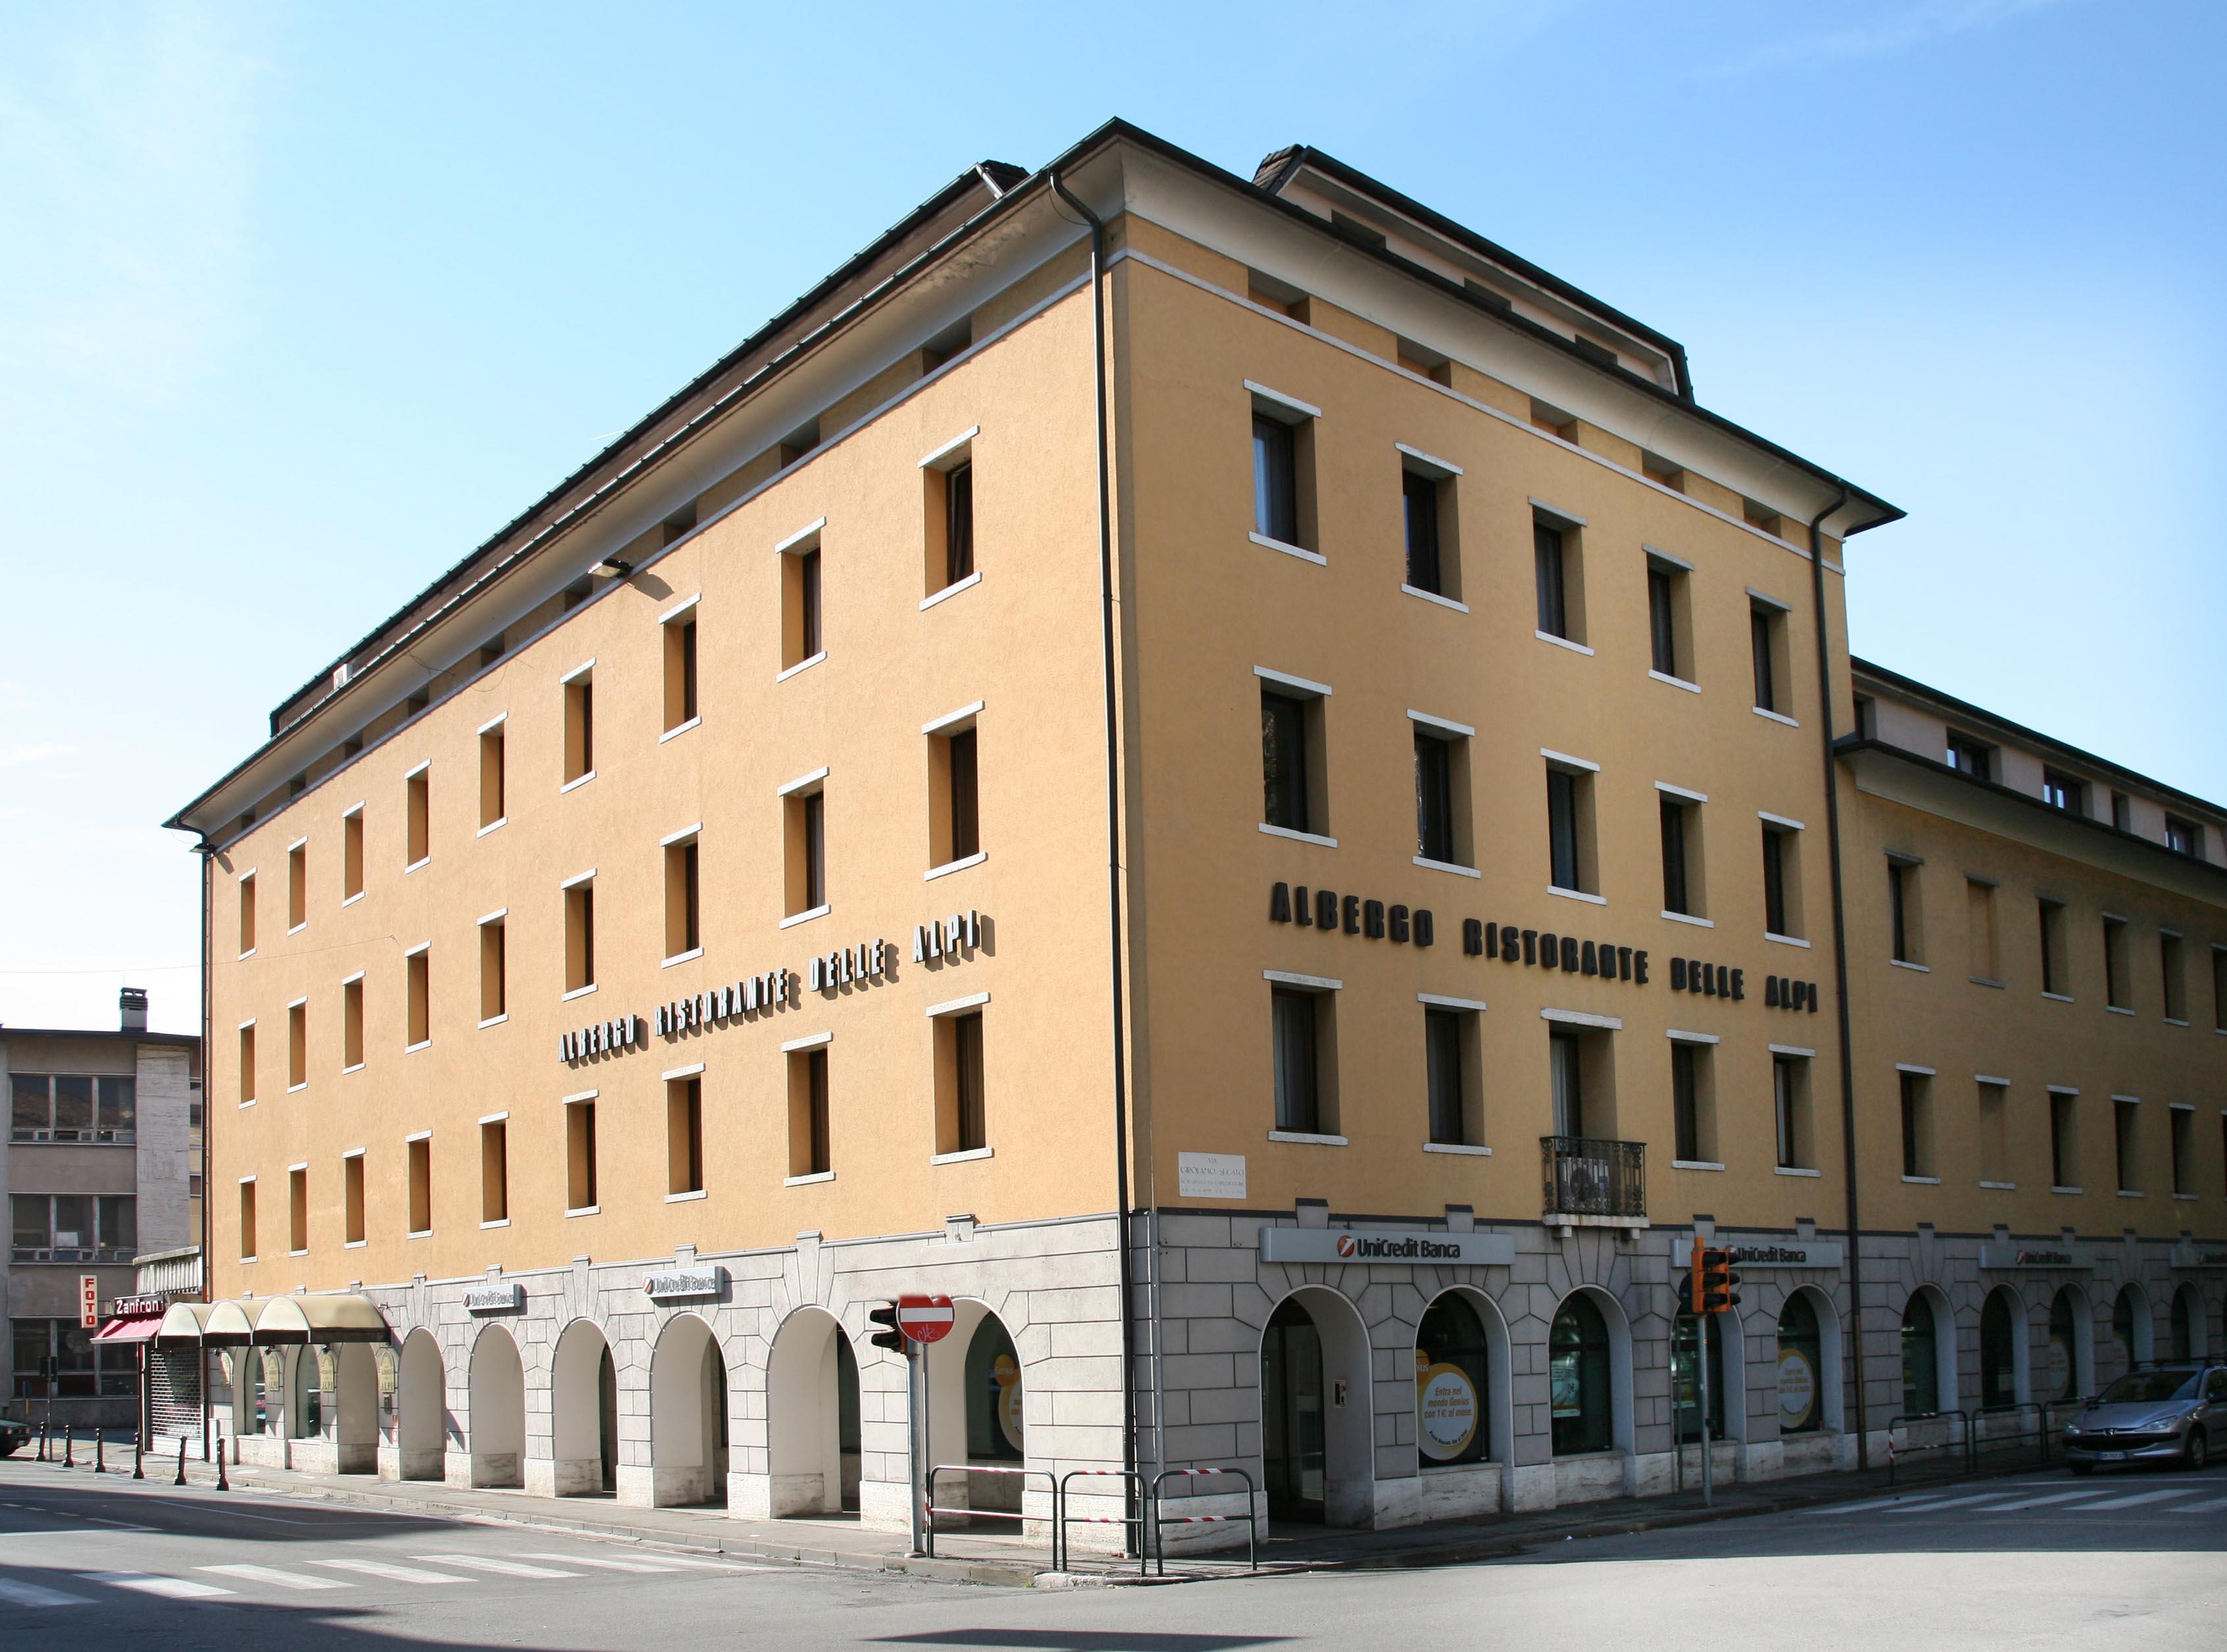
{"points": [[2155, 1413]]}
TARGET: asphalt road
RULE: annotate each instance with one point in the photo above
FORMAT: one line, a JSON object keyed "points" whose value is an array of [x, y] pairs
{"points": [[2045, 1561]]}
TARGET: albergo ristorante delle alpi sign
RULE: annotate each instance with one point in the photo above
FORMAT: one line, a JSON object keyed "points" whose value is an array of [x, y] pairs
{"points": [[1510, 943]]}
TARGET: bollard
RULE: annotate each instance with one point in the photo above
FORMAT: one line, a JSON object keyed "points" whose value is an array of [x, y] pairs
{"points": [[69, 1445], [180, 1480], [99, 1450], [42, 1441], [222, 1483], [139, 1453]]}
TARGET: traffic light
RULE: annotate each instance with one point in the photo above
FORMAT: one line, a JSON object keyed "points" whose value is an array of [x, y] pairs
{"points": [[889, 1336], [1711, 1289]]}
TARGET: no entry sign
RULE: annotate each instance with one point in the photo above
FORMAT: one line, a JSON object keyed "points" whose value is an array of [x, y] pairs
{"points": [[925, 1319]]}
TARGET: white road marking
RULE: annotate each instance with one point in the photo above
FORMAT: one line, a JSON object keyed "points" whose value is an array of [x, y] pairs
{"points": [[397, 1573], [2061, 1496], [2201, 1508], [2141, 1496], [29, 1594], [662, 1563], [488, 1563], [53, 1531], [276, 1575], [148, 1584]]}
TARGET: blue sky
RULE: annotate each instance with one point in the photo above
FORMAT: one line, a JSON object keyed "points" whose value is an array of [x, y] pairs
{"points": [[299, 304]]}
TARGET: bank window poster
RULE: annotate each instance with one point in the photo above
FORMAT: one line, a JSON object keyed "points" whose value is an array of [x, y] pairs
{"points": [[1451, 1385]]}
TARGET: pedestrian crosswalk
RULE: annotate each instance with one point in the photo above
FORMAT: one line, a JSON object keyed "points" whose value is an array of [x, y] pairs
{"points": [[306, 1573], [2194, 1498]]}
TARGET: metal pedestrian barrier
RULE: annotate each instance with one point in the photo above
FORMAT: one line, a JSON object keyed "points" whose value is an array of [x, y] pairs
{"points": [[1131, 1482], [928, 1536], [1963, 1442], [1251, 1516]]}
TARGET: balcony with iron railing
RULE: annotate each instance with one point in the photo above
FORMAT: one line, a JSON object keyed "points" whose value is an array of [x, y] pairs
{"points": [[1592, 1182]]}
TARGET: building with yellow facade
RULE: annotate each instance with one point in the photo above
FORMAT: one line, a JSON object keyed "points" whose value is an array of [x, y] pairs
{"points": [[1247, 784]]}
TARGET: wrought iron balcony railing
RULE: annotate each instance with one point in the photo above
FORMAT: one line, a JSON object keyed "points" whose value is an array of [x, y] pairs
{"points": [[1588, 1175]]}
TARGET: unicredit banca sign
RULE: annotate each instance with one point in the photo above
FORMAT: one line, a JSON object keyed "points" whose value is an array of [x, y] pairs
{"points": [[1387, 1247]]}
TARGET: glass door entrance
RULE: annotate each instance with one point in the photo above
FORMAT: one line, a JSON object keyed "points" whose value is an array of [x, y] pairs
{"points": [[1292, 1415]]}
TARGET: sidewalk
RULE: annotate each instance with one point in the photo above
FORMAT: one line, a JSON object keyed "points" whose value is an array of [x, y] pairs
{"points": [[968, 1557]]}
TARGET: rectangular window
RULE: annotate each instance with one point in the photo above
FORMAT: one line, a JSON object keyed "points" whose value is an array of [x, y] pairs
{"points": [[1767, 645], [2219, 988], [65, 1108], [1968, 755], [1979, 930], [421, 1185], [2126, 1142], [1681, 854], [1291, 774], [297, 1045], [2180, 1123], [1905, 911], [954, 788], [247, 1063], [1570, 829], [495, 1171], [494, 806], [2118, 991], [352, 1024], [801, 632], [247, 1220], [580, 935], [2063, 1140], [247, 915], [958, 523], [1453, 1074], [419, 1009], [297, 887], [1556, 571], [494, 969], [684, 1134], [580, 1155], [809, 1151], [1917, 1124], [579, 726], [961, 1118], [2053, 977], [1442, 822], [2183, 837], [2172, 979], [1566, 1059], [1790, 1092], [1994, 1132], [1301, 1025], [1782, 881], [680, 670], [1693, 1103], [102, 1229], [1669, 621], [2062, 791], [1275, 480], [683, 898], [351, 854], [351, 1199], [418, 811], [297, 1210], [807, 818], [2122, 811], [1429, 506]]}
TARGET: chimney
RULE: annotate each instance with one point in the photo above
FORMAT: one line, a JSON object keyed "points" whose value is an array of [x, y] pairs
{"points": [[132, 1005]]}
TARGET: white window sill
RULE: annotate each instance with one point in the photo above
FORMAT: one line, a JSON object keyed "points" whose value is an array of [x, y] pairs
{"points": [[2116, 1008], [1696, 1164], [352, 1067], [354, 1244], [1576, 895], [577, 992], [421, 861], [2132, 1193], [807, 1181], [2060, 998], [1315, 557], [957, 865], [1305, 1137], [1785, 940], [296, 1089], [1676, 682], [1430, 866], [305, 1251], [500, 1221], [1981, 980], [678, 729], [1776, 717], [585, 1211], [1792, 1170], [2001, 1187], [681, 957], [244, 1261], [796, 918], [295, 929], [971, 1154], [423, 1043], [2184, 1196], [805, 664], [950, 590], [495, 825], [1688, 917], [496, 1020], [1904, 963], [244, 956], [422, 1232], [2067, 1189], [575, 784], [1923, 1181], [1561, 642], [350, 899], [1298, 836], [1433, 596], [1461, 1147], [249, 1102], [2172, 1021], [683, 1198]]}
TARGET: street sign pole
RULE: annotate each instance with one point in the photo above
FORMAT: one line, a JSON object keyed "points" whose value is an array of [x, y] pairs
{"points": [[923, 1527]]}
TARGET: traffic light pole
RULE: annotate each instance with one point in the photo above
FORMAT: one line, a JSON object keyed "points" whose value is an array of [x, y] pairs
{"points": [[1709, 1479]]}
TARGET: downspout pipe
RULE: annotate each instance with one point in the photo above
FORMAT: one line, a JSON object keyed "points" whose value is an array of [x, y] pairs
{"points": [[206, 851], [1113, 922], [1841, 977]]}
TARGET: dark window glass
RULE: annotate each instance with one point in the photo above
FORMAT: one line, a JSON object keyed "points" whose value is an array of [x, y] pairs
{"points": [[1686, 1373], [1913, 1105], [1998, 1339], [119, 1105], [1283, 761], [1452, 1384], [1921, 1363], [1759, 637], [994, 1395], [1801, 1368], [1774, 883], [1674, 891], [30, 1108], [72, 1103], [1275, 481], [966, 798], [1898, 908], [1421, 493], [1567, 1059], [1662, 622], [688, 670], [807, 581], [1547, 549], [587, 727], [2061, 791], [958, 524], [1434, 798], [1686, 1100], [1969, 756], [1442, 1050], [966, 1079], [815, 1081], [1785, 1099], [2060, 1141], [1562, 827], [1578, 1379], [815, 850], [2183, 837], [692, 928], [2052, 978], [2124, 1118], [1298, 1100]]}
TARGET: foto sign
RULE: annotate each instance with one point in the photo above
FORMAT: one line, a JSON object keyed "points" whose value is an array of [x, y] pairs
{"points": [[89, 1300], [925, 1319]]}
